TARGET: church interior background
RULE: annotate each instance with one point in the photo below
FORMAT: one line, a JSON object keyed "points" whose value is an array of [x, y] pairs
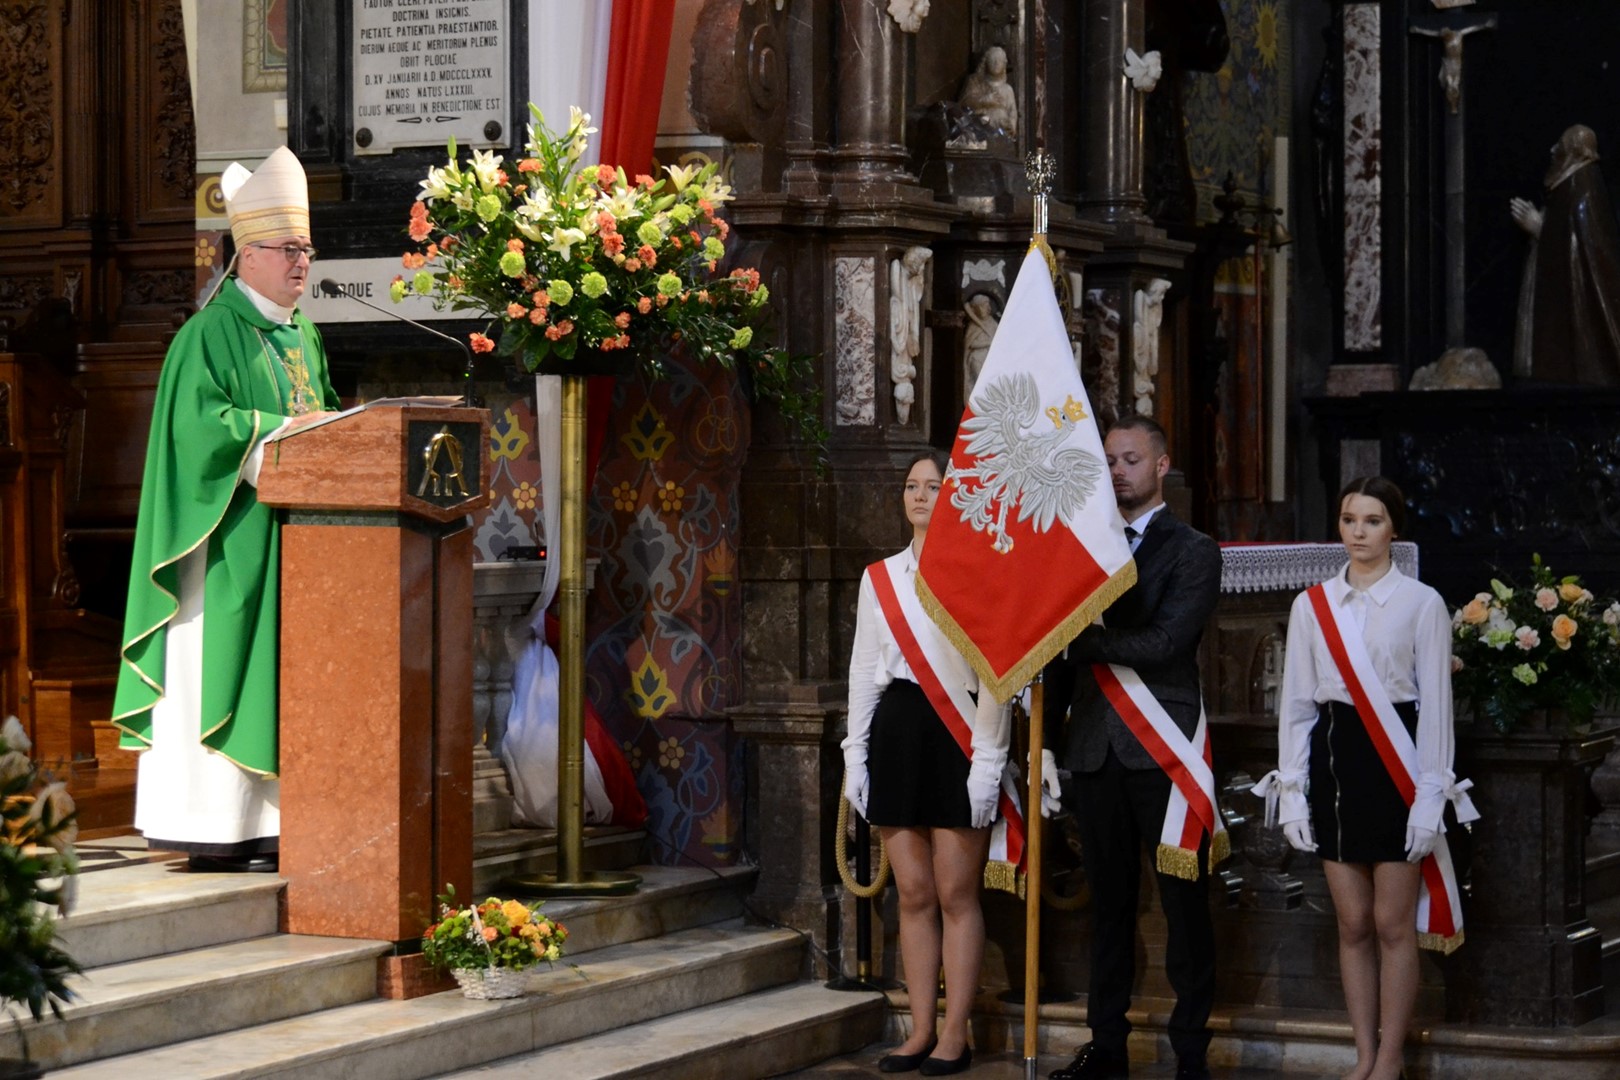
{"points": [[1286, 181]]}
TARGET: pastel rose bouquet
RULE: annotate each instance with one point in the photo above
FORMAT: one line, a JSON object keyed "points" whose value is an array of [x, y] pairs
{"points": [[573, 261], [494, 934], [1551, 644]]}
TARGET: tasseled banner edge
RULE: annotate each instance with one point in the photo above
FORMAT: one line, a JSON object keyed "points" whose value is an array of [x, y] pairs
{"points": [[1178, 862], [1182, 863], [1440, 943], [1004, 877]]}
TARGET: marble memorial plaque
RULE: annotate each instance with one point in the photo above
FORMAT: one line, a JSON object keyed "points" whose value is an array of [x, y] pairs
{"points": [[425, 70]]}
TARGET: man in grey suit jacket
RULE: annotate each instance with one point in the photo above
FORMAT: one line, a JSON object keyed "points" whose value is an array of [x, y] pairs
{"points": [[1117, 791]]}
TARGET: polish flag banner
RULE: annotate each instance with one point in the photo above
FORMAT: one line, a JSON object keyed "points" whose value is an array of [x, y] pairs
{"points": [[1026, 547]]}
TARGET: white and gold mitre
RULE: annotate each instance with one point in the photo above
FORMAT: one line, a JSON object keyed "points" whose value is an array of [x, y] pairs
{"points": [[268, 204]]}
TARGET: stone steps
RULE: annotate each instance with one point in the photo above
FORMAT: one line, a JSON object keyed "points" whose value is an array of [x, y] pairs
{"points": [[131, 905], [501, 853], [611, 990], [757, 1035], [157, 1000], [1304, 1042], [186, 976]]}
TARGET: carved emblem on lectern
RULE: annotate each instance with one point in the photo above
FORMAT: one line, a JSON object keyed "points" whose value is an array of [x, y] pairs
{"points": [[441, 460]]}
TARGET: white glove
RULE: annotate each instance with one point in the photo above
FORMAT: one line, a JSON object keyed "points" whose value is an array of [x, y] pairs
{"points": [[1051, 786], [1299, 835], [857, 786], [1420, 843], [983, 795]]}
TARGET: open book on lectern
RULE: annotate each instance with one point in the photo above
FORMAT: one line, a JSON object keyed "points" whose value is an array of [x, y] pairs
{"points": [[434, 401]]}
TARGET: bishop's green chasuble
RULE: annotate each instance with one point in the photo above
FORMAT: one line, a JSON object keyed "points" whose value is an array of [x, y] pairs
{"points": [[228, 378]]}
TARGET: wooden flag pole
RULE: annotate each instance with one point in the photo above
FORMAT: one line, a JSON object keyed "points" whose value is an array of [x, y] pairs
{"points": [[1032, 882]]}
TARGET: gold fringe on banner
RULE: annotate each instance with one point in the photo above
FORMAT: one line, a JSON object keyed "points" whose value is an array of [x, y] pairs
{"points": [[1004, 877], [1441, 944], [1178, 862], [1220, 848], [1058, 638]]}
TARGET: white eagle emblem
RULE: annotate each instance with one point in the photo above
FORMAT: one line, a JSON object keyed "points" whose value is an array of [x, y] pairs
{"points": [[1021, 462]]}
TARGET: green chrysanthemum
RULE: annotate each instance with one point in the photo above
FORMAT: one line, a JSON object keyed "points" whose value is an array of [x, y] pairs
{"points": [[593, 285], [512, 263], [560, 292], [488, 208], [669, 284]]}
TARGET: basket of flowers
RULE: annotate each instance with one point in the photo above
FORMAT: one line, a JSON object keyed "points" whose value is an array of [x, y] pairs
{"points": [[1550, 645], [583, 270], [490, 947]]}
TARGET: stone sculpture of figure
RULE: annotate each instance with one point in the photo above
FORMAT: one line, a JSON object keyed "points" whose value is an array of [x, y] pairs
{"points": [[907, 283], [987, 92], [1569, 303], [1149, 316], [981, 328], [908, 14]]}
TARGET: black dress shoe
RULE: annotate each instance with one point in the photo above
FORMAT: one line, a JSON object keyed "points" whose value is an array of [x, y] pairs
{"points": [[234, 864], [1187, 1069], [933, 1066], [899, 1063], [1095, 1062]]}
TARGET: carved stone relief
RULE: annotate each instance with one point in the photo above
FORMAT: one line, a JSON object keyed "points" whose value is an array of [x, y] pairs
{"points": [[1363, 212], [1148, 316], [909, 14], [908, 288], [26, 99], [855, 356], [982, 323]]}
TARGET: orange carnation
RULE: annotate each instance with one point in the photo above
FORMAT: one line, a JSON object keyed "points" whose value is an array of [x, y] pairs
{"points": [[480, 343]]}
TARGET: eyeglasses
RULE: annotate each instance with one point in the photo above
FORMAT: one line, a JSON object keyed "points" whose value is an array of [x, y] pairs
{"points": [[292, 251]]}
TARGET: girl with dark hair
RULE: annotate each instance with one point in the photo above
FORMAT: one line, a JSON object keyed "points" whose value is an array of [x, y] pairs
{"points": [[911, 715], [1364, 772]]}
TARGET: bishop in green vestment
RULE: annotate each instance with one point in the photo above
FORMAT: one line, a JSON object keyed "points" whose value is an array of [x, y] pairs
{"points": [[197, 689]]}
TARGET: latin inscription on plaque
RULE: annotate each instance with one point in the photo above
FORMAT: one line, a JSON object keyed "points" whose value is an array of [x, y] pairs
{"points": [[425, 70]]}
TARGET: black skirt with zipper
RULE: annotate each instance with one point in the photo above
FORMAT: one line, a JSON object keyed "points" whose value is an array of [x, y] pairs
{"points": [[1357, 813]]}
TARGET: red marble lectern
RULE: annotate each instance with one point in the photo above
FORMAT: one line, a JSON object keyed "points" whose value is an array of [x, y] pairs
{"points": [[376, 665]]}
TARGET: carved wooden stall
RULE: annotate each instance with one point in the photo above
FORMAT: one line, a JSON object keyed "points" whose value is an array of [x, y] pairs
{"points": [[97, 249]]}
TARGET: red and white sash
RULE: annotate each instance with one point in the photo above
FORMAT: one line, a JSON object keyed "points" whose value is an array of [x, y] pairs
{"points": [[927, 653], [1192, 811], [1439, 912]]}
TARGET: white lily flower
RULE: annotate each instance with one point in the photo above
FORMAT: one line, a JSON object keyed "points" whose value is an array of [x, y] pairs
{"points": [[462, 199], [436, 186], [485, 164], [680, 176], [563, 241]]}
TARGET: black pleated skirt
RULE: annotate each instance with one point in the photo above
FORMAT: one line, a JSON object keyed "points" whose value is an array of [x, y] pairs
{"points": [[1357, 814], [918, 772]]}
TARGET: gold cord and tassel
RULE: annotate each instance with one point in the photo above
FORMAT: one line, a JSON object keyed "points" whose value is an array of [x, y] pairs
{"points": [[845, 874]]}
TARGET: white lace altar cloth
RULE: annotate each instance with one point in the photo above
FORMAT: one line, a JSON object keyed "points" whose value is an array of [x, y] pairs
{"points": [[1292, 567]]}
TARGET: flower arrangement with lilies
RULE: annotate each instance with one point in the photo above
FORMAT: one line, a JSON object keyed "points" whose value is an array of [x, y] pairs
{"points": [[575, 259], [493, 934], [1551, 644], [37, 864]]}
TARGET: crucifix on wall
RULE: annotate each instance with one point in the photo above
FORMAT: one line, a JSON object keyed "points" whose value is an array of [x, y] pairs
{"points": [[1450, 34]]}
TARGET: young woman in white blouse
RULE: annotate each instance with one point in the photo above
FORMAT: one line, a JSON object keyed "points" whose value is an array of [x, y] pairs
{"points": [[907, 774], [1365, 768]]}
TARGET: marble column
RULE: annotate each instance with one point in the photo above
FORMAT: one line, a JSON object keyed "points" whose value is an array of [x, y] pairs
{"points": [[871, 91], [1111, 113], [795, 772]]}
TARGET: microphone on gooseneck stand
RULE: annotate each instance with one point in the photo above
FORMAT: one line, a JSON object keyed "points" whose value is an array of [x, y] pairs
{"points": [[329, 287]]}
